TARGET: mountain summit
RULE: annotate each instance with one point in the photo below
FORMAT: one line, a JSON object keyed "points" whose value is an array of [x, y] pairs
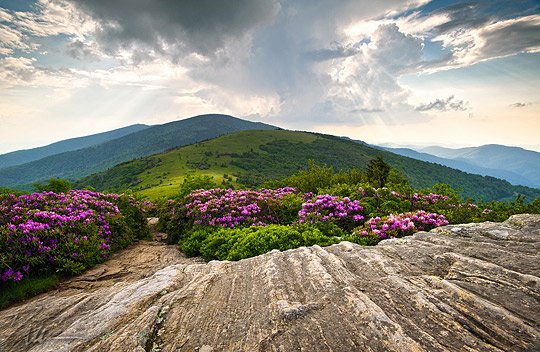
{"points": [[155, 139]]}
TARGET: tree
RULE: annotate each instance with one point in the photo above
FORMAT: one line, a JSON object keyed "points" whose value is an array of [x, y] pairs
{"points": [[56, 185], [313, 178], [398, 182], [193, 182], [377, 172]]}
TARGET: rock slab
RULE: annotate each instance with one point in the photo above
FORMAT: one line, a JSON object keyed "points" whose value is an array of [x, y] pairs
{"points": [[471, 287]]}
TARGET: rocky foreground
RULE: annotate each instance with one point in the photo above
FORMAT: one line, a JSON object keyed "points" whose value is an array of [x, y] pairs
{"points": [[472, 287]]}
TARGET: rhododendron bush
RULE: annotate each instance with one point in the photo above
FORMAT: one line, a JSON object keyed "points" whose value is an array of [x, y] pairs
{"points": [[216, 223], [195, 218], [65, 233], [228, 208], [400, 225], [343, 211]]}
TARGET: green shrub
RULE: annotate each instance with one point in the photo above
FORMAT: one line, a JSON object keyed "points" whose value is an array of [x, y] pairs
{"points": [[258, 241], [134, 217], [350, 177], [327, 228], [173, 221], [343, 190], [287, 211], [240, 243], [191, 245], [370, 239], [4, 191]]}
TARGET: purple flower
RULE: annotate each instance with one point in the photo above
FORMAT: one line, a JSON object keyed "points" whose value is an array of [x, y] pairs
{"points": [[17, 276]]}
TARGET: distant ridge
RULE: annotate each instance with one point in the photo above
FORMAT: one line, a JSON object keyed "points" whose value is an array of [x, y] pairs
{"points": [[514, 164], [151, 140], [20, 157]]}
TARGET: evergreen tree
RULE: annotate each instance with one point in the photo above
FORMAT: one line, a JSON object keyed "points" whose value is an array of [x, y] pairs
{"points": [[377, 172]]}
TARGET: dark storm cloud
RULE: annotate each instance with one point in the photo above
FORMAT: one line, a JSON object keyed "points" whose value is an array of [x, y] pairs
{"points": [[521, 35], [79, 50], [484, 30], [465, 15], [175, 27], [475, 14], [444, 105]]}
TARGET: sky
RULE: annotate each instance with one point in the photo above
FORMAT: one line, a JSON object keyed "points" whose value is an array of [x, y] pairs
{"points": [[414, 72]]}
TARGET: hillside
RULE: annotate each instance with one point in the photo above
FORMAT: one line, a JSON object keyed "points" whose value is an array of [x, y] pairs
{"points": [[468, 166], [155, 139], [499, 160], [252, 157], [25, 156]]}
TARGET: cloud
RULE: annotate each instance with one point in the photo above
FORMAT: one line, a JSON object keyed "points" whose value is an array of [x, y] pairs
{"points": [[53, 17], [174, 28], [365, 111], [18, 69], [510, 37], [364, 84], [301, 62], [448, 104], [470, 14], [20, 30], [471, 40], [519, 105], [80, 50], [10, 38], [469, 32], [25, 72], [293, 56]]}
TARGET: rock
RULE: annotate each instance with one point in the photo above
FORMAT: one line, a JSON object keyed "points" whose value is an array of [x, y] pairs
{"points": [[153, 226], [470, 287]]}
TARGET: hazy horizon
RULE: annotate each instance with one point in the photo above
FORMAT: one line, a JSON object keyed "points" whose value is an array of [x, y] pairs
{"points": [[535, 148], [417, 72]]}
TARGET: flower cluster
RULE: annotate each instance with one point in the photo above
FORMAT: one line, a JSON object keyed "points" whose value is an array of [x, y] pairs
{"points": [[146, 206], [229, 208], [346, 213], [420, 201], [66, 232], [401, 225]]}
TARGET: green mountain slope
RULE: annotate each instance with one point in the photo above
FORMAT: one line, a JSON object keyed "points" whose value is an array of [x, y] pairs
{"points": [[251, 157], [25, 156], [155, 139]]}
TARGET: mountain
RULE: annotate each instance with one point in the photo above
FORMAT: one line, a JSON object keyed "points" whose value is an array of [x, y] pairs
{"points": [[467, 166], [154, 139], [252, 157], [514, 164], [24, 156]]}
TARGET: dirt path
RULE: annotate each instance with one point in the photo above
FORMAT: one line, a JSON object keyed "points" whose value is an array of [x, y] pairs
{"points": [[111, 287], [139, 260]]}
